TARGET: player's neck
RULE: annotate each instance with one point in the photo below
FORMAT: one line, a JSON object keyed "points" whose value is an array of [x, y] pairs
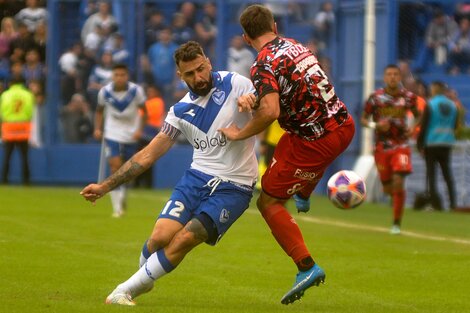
{"points": [[262, 40], [120, 88], [392, 91]]}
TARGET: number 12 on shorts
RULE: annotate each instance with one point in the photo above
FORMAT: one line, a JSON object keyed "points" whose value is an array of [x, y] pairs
{"points": [[175, 210]]}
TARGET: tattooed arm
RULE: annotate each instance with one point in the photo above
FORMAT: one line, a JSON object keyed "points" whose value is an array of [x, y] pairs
{"points": [[141, 161]]}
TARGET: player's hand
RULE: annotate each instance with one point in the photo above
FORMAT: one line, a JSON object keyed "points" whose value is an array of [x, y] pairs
{"points": [[93, 192], [246, 102], [97, 134], [230, 132], [383, 125]]}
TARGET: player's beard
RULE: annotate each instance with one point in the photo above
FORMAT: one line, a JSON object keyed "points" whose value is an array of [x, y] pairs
{"points": [[202, 88]]}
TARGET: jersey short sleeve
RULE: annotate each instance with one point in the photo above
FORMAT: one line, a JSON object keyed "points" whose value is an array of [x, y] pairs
{"points": [[263, 78], [101, 102], [140, 97]]}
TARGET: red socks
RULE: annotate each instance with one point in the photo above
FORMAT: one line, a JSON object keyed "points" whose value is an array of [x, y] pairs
{"points": [[287, 233], [398, 205]]}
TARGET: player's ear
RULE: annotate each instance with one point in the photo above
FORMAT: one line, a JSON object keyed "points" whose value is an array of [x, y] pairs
{"points": [[209, 63], [179, 74], [247, 39]]}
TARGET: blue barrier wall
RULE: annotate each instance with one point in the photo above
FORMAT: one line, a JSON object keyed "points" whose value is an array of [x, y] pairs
{"points": [[78, 165]]}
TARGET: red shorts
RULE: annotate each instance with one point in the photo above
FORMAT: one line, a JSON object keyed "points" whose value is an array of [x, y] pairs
{"points": [[299, 164], [393, 161]]}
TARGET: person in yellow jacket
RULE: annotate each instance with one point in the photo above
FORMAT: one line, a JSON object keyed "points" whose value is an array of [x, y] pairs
{"points": [[269, 140], [16, 112]]}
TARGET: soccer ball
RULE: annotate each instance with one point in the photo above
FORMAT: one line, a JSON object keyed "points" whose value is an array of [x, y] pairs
{"points": [[346, 189]]}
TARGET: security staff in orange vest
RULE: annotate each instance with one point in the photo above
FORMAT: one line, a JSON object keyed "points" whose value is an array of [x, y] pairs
{"points": [[16, 112]]}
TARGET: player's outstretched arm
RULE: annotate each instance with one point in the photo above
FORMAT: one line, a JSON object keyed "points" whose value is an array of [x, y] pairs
{"points": [[141, 161], [267, 113]]}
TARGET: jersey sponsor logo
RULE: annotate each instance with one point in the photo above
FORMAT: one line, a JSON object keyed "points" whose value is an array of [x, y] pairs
{"points": [[306, 63], [296, 187], [218, 97], [295, 50], [224, 216], [190, 112], [305, 175], [207, 142]]}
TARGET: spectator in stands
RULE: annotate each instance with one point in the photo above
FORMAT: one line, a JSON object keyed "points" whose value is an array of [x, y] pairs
{"points": [[459, 48], [7, 35], [94, 40], [22, 43], [70, 77], [407, 77], [438, 34], [462, 10], [103, 18], [156, 113], [437, 136], [37, 122], [206, 29], [160, 56], [76, 119], [188, 9], [33, 69], [154, 26], [32, 15], [100, 75], [16, 125], [40, 39], [324, 22], [117, 46], [240, 58], [16, 69], [181, 32]]}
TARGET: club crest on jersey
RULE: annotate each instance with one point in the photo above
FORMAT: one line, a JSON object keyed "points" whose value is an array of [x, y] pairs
{"points": [[218, 97], [224, 216]]}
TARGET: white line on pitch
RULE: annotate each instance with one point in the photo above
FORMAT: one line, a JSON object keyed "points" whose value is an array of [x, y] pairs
{"points": [[375, 229]]}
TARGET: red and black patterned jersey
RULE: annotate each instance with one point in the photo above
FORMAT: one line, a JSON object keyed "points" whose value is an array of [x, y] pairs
{"points": [[381, 105], [308, 102]]}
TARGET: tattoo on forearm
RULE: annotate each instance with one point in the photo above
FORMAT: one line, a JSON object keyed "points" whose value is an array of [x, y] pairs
{"points": [[129, 170]]}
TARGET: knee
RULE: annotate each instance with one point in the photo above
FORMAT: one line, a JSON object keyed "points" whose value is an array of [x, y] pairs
{"points": [[158, 240]]}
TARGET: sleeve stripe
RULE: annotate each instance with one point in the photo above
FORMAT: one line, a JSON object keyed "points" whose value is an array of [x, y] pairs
{"points": [[170, 130]]}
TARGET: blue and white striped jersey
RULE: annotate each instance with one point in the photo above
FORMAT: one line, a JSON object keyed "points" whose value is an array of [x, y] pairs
{"points": [[199, 118], [121, 119]]}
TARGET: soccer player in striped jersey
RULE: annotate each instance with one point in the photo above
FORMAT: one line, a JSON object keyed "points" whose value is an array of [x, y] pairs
{"points": [[118, 105], [292, 88], [217, 188]]}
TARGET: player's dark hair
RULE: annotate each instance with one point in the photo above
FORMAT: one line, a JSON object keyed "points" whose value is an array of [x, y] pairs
{"points": [[120, 66], [439, 86], [256, 20], [394, 66], [188, 52]]}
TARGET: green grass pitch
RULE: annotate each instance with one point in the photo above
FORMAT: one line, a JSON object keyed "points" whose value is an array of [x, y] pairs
{"points": [[59, 253]]}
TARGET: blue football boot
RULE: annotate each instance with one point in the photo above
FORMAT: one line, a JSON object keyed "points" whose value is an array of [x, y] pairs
{"points": [[302, 205], [303, 281]]}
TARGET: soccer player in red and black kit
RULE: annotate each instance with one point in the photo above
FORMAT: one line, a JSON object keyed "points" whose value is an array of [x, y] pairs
{"points": [[389, 107], [292, 88]]}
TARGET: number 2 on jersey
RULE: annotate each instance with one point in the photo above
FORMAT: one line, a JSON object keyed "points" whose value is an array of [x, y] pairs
{"points": [[175, 211]]}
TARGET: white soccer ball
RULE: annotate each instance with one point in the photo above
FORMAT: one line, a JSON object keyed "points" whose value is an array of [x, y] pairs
{"points": [[346, 189]]}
